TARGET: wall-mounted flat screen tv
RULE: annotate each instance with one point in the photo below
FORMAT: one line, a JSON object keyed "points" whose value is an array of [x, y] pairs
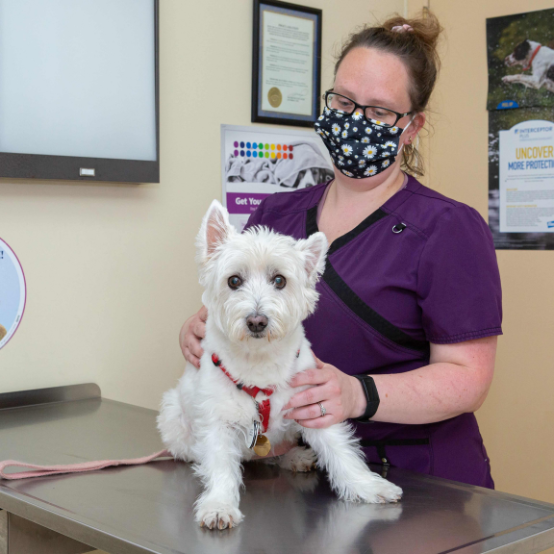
{"points": [[79, 90]]}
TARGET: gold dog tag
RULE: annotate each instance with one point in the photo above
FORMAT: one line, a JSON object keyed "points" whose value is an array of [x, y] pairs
{"points": [[263, 446]]}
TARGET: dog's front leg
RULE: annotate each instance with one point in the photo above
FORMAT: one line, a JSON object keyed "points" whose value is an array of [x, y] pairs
{"points": [[527, 80], [220, 470], [340, 454]]}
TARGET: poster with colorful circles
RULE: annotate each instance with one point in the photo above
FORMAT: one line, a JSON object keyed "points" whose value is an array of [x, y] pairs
{"points": [[13, 293], [258, 161]]}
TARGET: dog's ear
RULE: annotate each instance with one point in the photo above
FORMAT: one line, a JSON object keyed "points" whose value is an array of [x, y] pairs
{"points": [[314, 249], [215, 230]]}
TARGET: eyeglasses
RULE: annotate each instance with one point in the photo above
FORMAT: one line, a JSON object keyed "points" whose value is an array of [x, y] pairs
{"points": [[380, 116]]}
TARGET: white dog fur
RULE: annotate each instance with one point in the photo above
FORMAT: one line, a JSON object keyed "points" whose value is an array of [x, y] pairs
{"points": [[206, 418]]}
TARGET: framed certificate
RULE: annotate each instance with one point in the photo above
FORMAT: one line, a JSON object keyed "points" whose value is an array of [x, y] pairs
{"points": [[286, 63]]}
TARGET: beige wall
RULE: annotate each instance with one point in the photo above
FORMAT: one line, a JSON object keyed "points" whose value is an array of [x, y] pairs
{"points": [[517, 420], [109, 267]]}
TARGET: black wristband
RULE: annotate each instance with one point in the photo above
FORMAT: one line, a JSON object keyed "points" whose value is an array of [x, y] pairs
{"points": [[371, 395]]}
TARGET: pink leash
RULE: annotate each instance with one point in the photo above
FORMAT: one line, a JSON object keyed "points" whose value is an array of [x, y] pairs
{"points": [[41, 471]]}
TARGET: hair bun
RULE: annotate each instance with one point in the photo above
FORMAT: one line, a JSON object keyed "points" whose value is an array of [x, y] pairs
{"points": [[426, 28]]}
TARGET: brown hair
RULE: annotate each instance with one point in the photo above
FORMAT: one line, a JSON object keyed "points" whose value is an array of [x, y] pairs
{"points": [[417, 49]]}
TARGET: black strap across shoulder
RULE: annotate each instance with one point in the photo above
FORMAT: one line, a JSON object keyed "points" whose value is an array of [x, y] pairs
{"points": [[350, 298], [369, 315], [311, 227]]}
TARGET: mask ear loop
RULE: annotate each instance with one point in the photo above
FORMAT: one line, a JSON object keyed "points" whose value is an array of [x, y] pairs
{"points": [[403, 131]]}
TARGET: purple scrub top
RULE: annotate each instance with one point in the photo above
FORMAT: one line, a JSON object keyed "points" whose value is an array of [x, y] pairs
{"points": [[420, 269]]}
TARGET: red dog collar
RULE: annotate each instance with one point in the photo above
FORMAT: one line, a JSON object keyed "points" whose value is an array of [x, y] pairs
{"points": [[528, 66], [264, 407]]}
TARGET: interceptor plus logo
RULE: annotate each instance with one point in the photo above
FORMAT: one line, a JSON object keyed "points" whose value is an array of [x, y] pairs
{"points": [[533, 133]]}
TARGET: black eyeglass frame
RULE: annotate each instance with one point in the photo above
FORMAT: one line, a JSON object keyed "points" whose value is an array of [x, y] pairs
{"points": [[399, 116]]}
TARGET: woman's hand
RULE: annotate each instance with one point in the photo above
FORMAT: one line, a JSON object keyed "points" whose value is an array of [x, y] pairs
{"points": [[192, 332], [342, 397]]}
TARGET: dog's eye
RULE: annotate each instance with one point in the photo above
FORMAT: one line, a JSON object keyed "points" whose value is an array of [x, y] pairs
{"points": [[234, 282], [279, 281]]}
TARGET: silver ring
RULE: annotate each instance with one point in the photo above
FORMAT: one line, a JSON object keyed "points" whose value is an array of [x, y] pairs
{"points": [[322, 408]]}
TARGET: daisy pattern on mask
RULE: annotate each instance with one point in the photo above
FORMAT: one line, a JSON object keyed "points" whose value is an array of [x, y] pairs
{"points": [[336, 128], [385, 163], [326, 110], [347, 173], [365, 140], [355, 129], [361, 163], [385, 154], [393, 130], [347, 125], [346, 149], [389, 144], [357, 115], [344, 134], [321, 117], [368, 130], [371, 170], [369, 151]]}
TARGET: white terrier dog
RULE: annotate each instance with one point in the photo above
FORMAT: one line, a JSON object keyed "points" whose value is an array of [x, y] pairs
{"points": [[259, 287]]}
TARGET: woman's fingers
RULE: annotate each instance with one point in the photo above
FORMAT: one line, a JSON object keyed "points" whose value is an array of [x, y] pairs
{"points": [[310, 377], [182, 336], [192, 343], [310, 412], [318, 422], [203, 313], [308, 397], [191, 358], [192, 332], [198, 328]]}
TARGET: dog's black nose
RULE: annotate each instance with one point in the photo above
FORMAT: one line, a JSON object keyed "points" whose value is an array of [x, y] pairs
{"points": [[256, 323]]}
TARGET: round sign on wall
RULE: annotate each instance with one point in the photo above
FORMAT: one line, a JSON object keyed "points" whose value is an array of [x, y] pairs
{"points": [[13, 292]]}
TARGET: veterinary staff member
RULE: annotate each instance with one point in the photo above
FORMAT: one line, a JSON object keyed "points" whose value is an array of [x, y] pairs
{"points": [[410, 301]]}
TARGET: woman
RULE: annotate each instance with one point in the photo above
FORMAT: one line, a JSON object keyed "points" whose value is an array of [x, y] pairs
{"points": [[411, 293]]}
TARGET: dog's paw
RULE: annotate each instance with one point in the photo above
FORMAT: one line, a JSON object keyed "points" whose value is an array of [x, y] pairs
{"points": [[378, 491], [299, 459], [216, 515], [372, 490]]}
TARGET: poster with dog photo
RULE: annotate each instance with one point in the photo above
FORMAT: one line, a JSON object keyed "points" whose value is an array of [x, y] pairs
{"points": [[258, 161], [521, 178], [520, 51]]}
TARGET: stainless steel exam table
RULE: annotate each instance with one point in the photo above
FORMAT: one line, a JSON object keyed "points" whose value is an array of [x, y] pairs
{"points": [[131, 510]]}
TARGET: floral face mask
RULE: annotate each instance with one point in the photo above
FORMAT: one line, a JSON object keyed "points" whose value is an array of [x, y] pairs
{"points": [[359, 147]]}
